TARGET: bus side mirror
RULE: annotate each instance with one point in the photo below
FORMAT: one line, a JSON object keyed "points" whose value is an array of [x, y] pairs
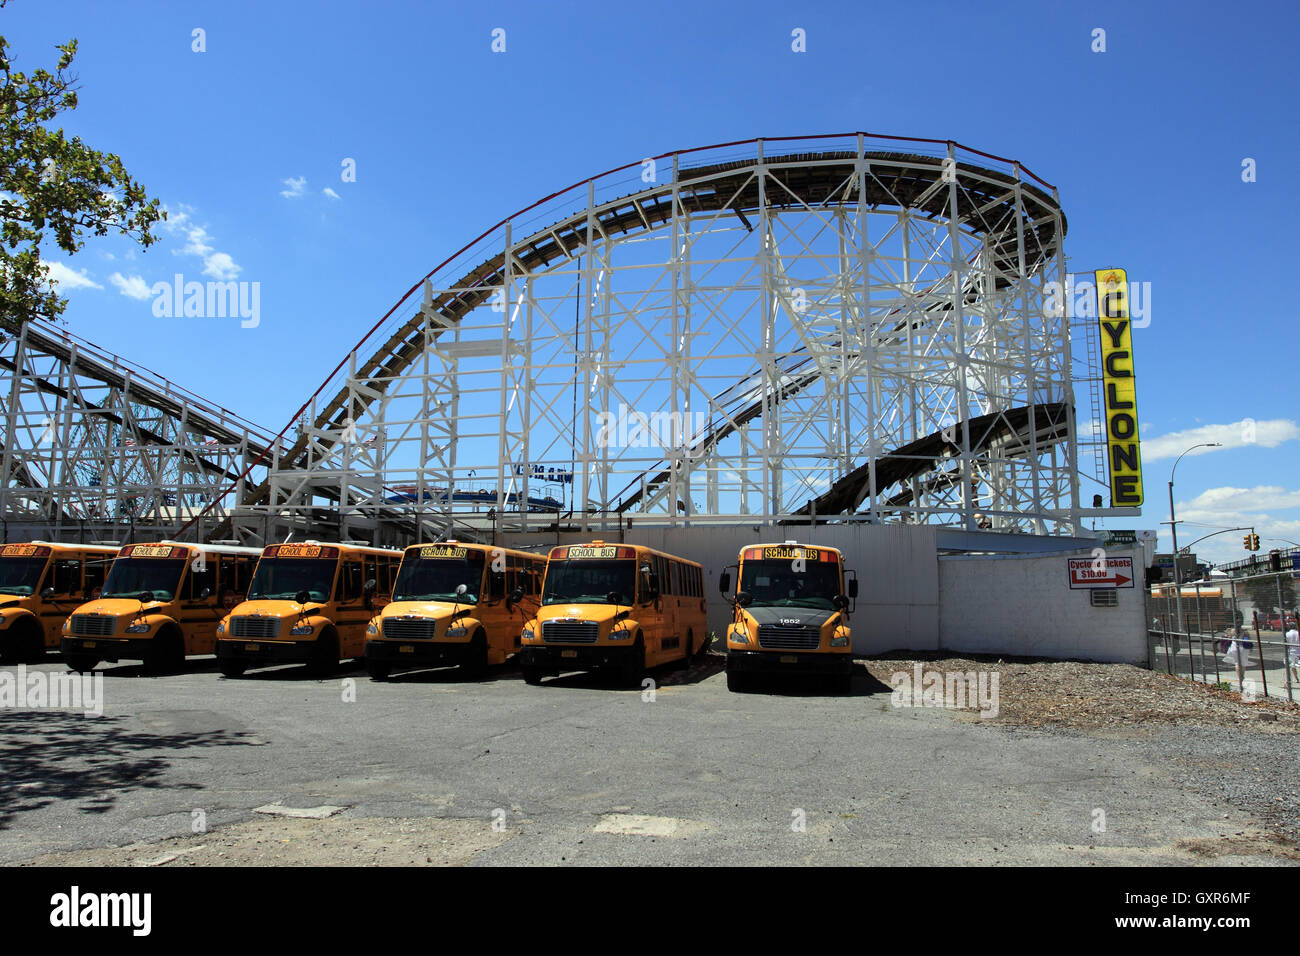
{"points": [[744, 598], [516, 596], [724, 582], [302, 597], [205, 594], [47, 593], [841, 602], [371, 586], [853, 587]]}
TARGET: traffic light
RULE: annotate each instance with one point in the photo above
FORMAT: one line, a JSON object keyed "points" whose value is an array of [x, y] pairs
{"points": [[1254, 542], [1245, 541]]}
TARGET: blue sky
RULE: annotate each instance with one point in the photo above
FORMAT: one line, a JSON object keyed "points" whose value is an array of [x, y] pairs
{"points": [[1145, 141]]}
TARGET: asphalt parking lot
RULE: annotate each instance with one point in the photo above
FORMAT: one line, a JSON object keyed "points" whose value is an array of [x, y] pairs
{"points": [[427, 768]]}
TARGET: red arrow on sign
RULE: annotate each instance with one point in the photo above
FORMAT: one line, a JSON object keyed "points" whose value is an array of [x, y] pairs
{"points": [[1118, 580]]}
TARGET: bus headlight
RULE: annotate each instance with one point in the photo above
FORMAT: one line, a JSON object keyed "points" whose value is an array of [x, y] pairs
{"points": [[221, 628], [620, 635], [139, 627], [455, 632], [841, 641], [372, 630], [738, 637], [527, 635], [302, 630]]}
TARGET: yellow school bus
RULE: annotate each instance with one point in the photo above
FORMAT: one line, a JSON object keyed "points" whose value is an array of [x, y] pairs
{"points": [[614, 605], [790, 614], [159, 604], [455, 603], [309, 603], [40, 584]]}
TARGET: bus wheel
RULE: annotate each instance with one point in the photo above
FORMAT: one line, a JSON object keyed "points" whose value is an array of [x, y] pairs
{"points": [[687, 656], [80, 663], [325, 659], [475, 665], [736, 682], [634, 668], [532, 675], [378, 670], [166, 653], [232, 668], [28, 644]]}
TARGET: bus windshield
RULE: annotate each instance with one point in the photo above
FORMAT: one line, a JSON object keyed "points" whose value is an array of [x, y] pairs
{"points": [[436, 579], [775, 584], [282, 579], [20, 575], [131, 577], [589, 582]]}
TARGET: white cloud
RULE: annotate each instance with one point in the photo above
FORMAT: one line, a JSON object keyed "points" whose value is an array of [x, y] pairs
{"points": [[133, 287], [67, 279], [219, 265], [1246, 432], [329, 192], [1264, 508], [1240, 500], [296, 187], [199, 242]]}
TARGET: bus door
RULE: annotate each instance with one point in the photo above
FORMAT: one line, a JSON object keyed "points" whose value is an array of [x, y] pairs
{"points": [[63, 576], [197, 610], [352, 614]]}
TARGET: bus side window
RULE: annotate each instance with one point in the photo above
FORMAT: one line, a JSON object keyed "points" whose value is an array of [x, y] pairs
{"points": [[67, 576], [95, 571], [496, 583], [197, 580], [350, 582]]}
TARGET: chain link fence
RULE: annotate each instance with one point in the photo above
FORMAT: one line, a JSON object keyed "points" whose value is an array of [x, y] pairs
{"points": [[1229, 631]]}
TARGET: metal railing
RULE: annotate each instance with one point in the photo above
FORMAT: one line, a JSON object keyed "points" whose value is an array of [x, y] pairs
{"points": [[1233, 632]]}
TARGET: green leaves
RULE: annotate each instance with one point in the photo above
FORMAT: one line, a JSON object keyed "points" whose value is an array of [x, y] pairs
{"points": [[54, 189]]}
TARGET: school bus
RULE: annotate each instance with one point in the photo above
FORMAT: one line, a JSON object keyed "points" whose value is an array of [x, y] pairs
{"points": [[614, 605], [159, 604], [40, 584], [454, 603], [309, 603], [790, 614]]}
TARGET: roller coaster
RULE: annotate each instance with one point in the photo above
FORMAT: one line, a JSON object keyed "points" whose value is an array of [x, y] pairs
{"points": [[836, 328]]}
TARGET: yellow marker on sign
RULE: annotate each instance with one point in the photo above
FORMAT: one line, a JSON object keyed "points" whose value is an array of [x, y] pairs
{"points": [[1120, 388]]}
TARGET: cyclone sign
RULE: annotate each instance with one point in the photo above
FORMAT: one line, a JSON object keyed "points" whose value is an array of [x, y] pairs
{"points": [[1124, 456]]}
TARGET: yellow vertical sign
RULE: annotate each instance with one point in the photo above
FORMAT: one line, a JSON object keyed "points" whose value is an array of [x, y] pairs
{"points": [[1124, 454]]}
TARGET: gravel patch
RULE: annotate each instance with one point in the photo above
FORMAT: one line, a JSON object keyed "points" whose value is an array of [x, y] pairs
{"points": [[1244, 755]]}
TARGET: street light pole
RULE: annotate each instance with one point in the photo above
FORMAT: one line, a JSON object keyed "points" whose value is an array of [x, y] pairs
{"points": [[1173, 527]]}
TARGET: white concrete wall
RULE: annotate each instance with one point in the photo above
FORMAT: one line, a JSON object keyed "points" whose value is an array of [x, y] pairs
{"points": [[1023, 605]]}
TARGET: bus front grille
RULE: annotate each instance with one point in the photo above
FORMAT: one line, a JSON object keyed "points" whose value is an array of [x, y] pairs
{"points": [[255, 627], [785, 637], [420, 629], [570, 632], [92, 625]]}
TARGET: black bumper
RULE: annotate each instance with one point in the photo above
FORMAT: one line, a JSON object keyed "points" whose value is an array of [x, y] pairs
{"points": [[267, 652], [424, 653], [789, 662], [553, 658], [111, 649]]}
